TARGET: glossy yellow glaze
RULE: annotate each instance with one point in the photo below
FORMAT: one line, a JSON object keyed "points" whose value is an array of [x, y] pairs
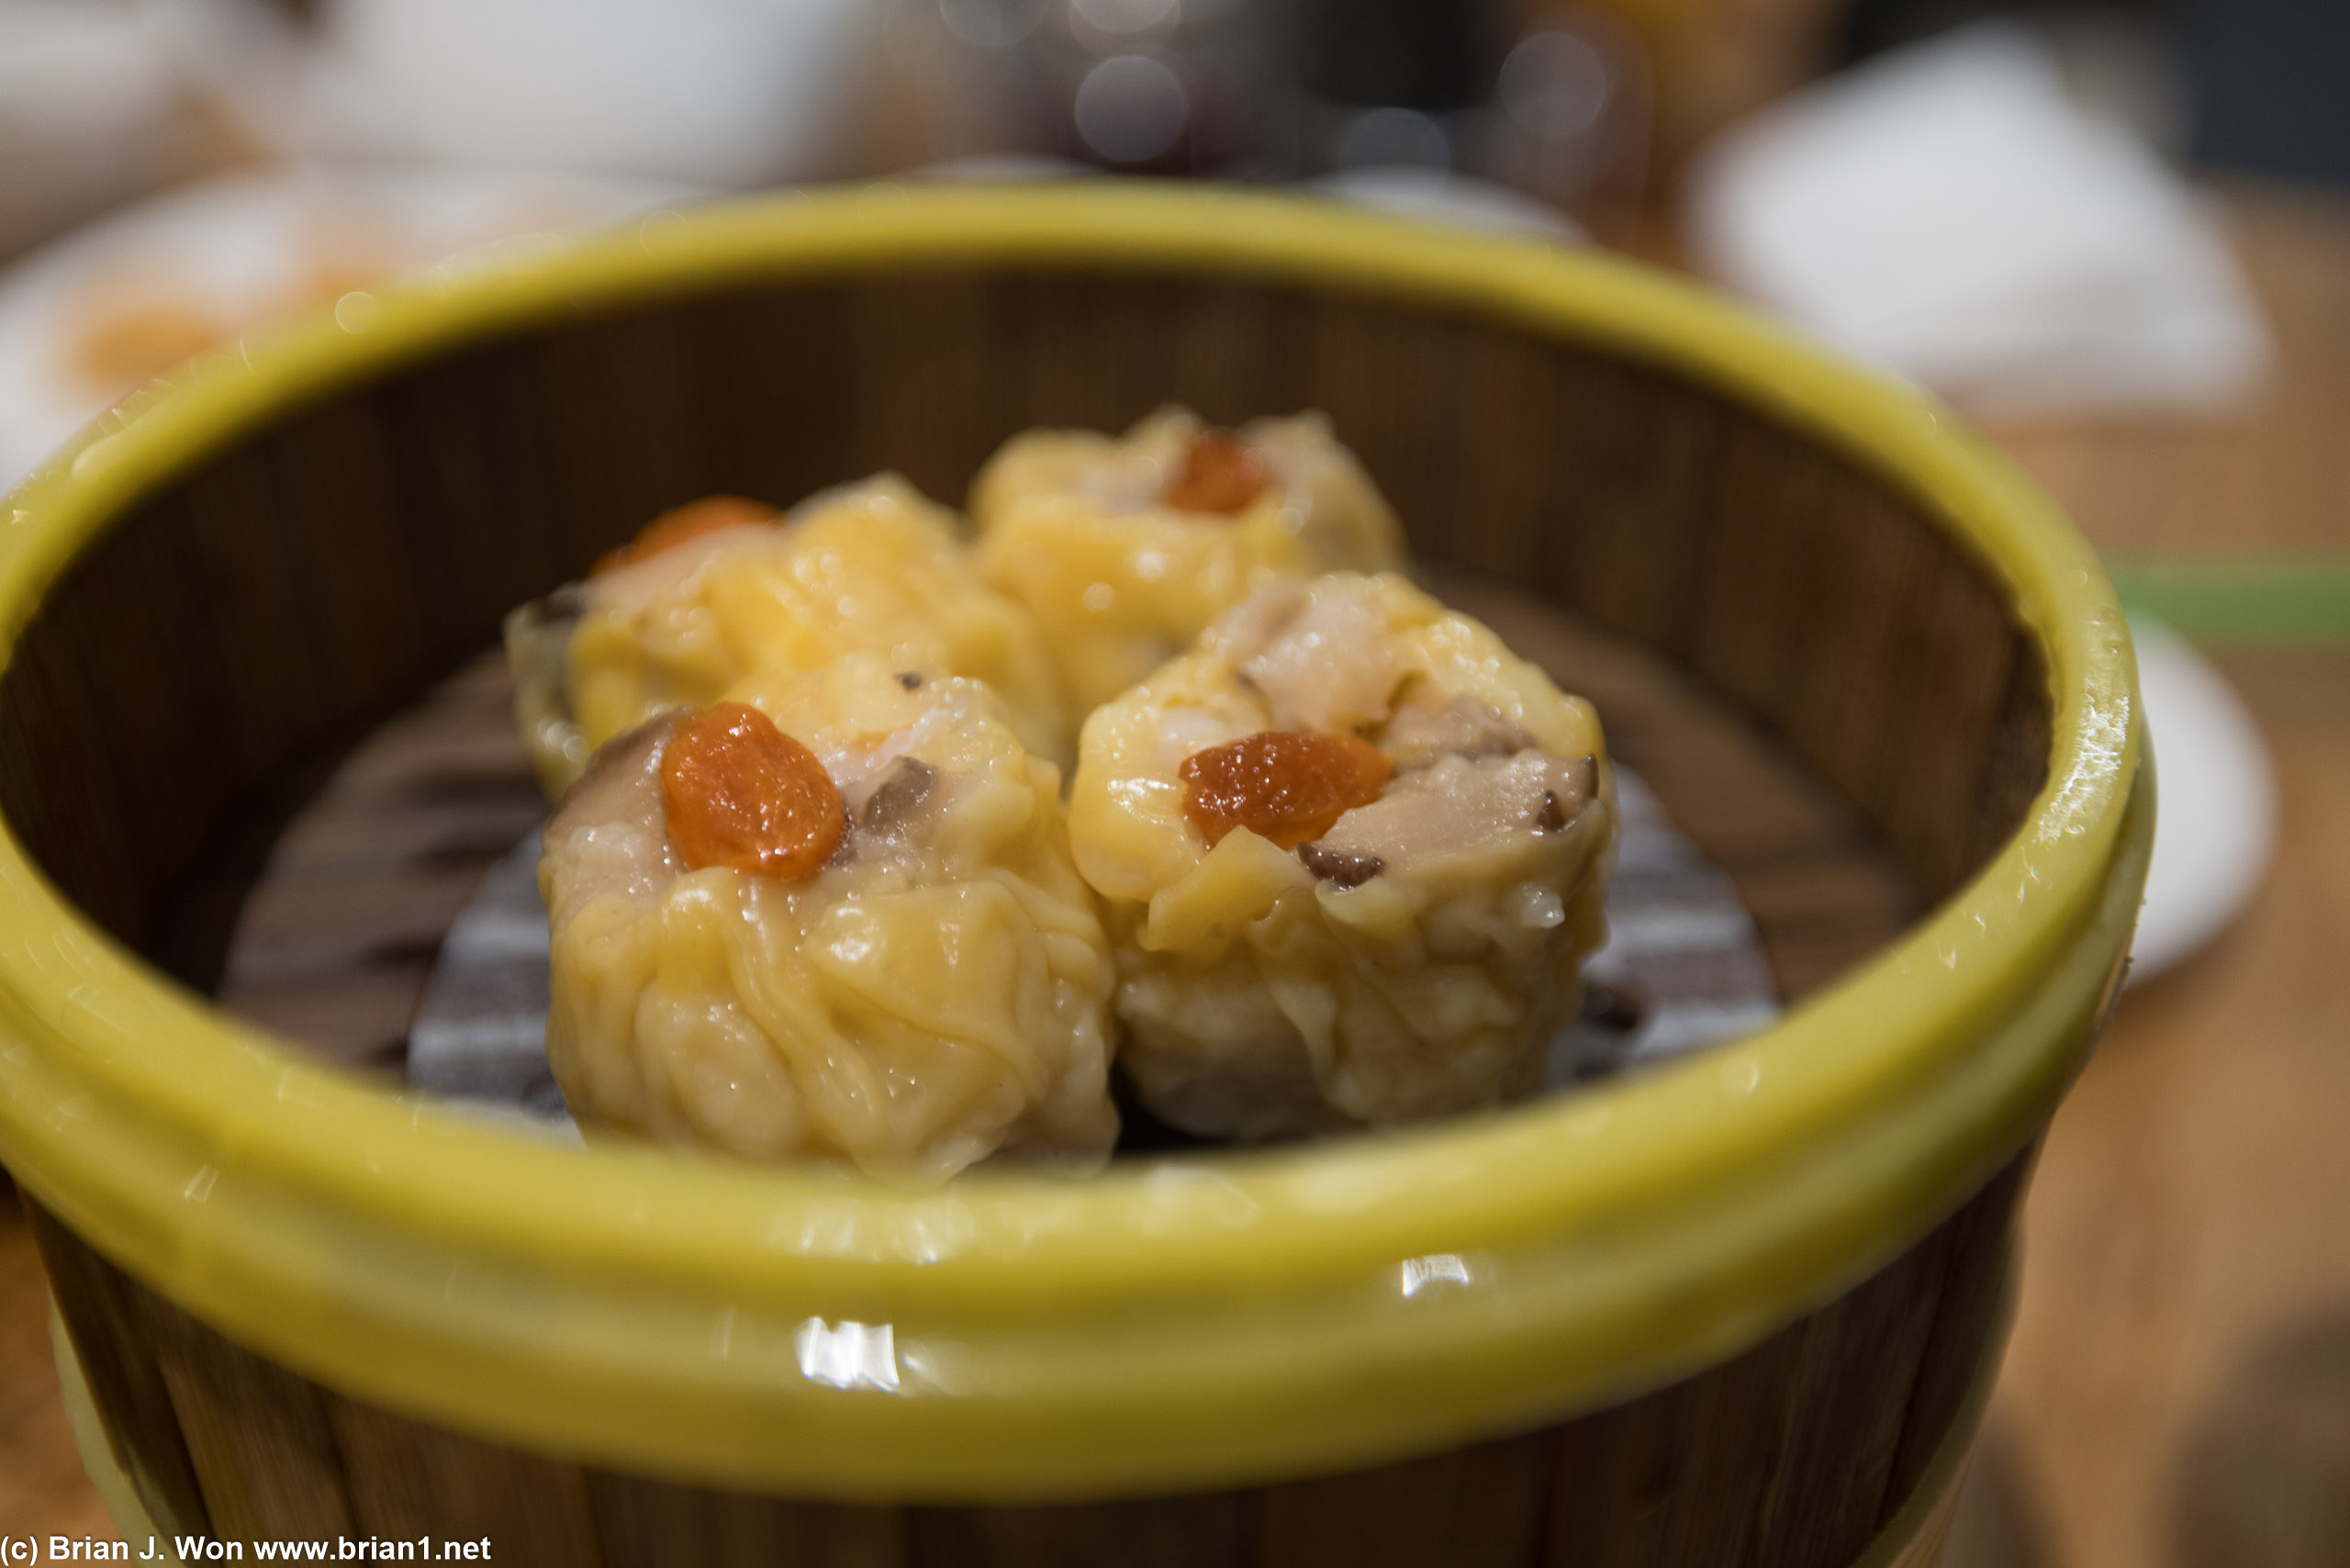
{"points": [[1911, 1539], [1161, 1327]]}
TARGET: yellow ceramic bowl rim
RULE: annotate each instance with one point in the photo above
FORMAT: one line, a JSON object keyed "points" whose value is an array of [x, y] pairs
{"points": [[1168, 1325]]}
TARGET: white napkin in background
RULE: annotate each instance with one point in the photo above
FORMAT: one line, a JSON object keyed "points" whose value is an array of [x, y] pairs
{"points": [[1948, 212]]}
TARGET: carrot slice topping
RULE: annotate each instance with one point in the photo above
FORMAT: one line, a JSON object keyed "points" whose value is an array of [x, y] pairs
{"points": [[1221, 472], [739, 793], [1281, 785], [680, 524]]}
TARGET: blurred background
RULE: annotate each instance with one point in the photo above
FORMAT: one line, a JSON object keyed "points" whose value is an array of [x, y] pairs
{"points": [[2116, 236]]}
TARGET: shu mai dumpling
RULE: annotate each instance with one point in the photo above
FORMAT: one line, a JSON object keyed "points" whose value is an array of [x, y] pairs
{"points": [[724, 588], [1352, 852], [833, 917], [1125, 547]]}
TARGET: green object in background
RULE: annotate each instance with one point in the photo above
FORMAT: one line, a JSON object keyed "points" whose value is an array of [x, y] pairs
{"points": [[2243, 602]]}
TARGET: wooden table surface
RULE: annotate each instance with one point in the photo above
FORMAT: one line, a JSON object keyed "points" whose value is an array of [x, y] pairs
{"points": [[2177, 1391]]}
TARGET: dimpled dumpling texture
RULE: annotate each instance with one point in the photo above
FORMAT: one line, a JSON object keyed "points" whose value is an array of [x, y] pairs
{"points": [[1072, 524], [868, 568], [937, 995], [1418, 959]]}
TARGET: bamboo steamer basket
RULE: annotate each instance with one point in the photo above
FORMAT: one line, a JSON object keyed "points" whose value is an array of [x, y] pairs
{"points": [[1739, 1309]]}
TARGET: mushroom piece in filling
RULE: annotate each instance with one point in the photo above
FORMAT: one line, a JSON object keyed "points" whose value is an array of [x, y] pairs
{"points": [[1125, 547], [724, 588], [1352, 852], [832, 917]]}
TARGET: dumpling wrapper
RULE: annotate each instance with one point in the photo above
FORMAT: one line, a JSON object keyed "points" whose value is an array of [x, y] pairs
{"points": [[1072, 524], [1418, 959], [871, 568], [937, 995]]}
